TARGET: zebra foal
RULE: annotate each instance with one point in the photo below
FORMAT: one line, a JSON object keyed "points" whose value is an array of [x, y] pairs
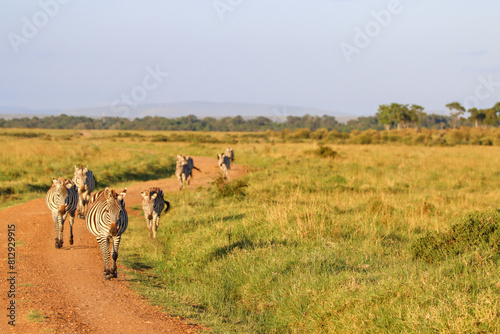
{"points": [[85, 181], [152, 205], [107, 219], [62, 199]]}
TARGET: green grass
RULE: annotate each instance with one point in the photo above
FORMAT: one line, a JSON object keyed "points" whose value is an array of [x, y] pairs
{"points": [[36, 316], [374, 239]]}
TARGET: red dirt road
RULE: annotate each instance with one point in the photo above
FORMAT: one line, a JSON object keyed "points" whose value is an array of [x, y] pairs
{"points": [[67, 286]]}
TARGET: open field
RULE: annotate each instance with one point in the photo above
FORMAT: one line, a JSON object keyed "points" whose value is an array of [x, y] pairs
{"points": [[304, 242]]}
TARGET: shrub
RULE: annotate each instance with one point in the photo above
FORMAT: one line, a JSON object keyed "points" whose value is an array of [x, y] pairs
{"points": [[235, 188], [480, 230]]}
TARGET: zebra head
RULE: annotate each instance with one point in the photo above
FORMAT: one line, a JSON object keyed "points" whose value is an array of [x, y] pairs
{"points": [[81, 178], [114, 207], [220, 158], [61, 187], [182, 160], [148, 202]]}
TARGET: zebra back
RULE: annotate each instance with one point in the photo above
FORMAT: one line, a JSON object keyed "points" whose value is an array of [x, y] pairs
{"points": [[107, 215]]}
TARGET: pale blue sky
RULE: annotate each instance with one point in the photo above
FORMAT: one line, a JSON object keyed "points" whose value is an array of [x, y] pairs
{"points": [[344, 56]]}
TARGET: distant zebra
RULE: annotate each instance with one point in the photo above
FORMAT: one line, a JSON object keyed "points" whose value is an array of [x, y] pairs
{"points": [[85, 181], [107, 219], [229, 153], [184, 169], [224, 163], [152, 205], [62, 198]]}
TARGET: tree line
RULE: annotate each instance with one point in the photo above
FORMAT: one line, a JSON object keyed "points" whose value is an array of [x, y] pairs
{"points": [[389, 116]]}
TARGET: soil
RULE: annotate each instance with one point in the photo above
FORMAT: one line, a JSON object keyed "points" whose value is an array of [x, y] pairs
{"points": [[66, 286]]}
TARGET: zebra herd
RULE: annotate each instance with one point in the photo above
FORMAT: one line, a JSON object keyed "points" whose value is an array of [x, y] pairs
{"points": [[104, 211]]}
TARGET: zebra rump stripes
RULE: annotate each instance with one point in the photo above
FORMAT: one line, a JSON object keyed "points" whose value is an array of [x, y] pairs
{"points": [[62, 199], [107, 219], [85, 181], [152, 205]]}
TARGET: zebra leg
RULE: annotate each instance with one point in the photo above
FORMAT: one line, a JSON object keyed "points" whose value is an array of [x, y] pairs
{"points": [[104, 246], [155, 222], [148, 225], [55, 218], [71, 222], [116, 244]]}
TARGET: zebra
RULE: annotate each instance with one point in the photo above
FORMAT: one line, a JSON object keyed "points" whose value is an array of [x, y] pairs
{"points": [[62, 199], [107, 219], [229, 153], [184, 169], [152, 205], [224, 163], [85, 181]]}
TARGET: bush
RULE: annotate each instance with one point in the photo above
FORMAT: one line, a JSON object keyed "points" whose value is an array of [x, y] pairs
{"points": [[480, 230], [235, 188], [325, 152]]}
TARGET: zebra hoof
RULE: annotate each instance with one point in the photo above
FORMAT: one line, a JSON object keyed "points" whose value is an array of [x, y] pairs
{"points": [[58, 243]]}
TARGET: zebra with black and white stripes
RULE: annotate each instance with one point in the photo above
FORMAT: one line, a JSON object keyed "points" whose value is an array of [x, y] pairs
{"points": [[152, 205], [62, 199], [184, 169], [85, 181], [107, 219], [224, 163]]}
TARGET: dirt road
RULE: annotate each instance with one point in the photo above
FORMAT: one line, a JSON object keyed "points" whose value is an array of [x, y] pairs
{"points": [[66, 286]]}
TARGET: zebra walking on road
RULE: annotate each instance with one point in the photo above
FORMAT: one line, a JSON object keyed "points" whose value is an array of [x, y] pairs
{"points": [[85, 181], [107, 219], [152, 205], [62, 199], [224, 163], [184, 169]]}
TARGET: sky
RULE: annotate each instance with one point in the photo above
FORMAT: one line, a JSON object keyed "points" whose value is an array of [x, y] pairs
{"points": [[346, 57]]}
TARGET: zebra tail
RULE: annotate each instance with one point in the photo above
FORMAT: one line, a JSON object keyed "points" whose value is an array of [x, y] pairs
{"points": [[194, 167], [167, 206], [113, 229]]}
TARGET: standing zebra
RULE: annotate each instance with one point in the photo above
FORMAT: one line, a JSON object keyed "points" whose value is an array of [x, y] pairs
{"points": [[107, 219], [184, 169], [224, 162], [62, 198], [229, 152], [85, 181], [152, 205]]}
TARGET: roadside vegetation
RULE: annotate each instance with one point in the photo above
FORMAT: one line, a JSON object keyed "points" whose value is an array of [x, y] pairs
{"points": [[320, 236]]}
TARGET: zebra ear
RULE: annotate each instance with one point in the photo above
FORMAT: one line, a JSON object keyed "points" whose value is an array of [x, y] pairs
{"points": [[54, 181], [86, 169], [144, 195], [154, 195], [122, 194], [179, 157], [108, 192], [76, 168]]}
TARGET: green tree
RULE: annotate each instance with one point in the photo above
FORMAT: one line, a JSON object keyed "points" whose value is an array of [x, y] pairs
{"points": [[456, 110]]}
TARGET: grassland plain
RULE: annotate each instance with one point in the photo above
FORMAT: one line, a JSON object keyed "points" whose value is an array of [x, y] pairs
{"points": [[314, 244]]}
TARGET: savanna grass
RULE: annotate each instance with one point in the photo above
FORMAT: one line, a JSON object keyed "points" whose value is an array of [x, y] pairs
{"points": [[315, 245]]}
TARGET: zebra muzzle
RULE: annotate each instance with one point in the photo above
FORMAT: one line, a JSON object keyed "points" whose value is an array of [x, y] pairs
{"points": [[150, 217], [113, 230], [62, 210]]}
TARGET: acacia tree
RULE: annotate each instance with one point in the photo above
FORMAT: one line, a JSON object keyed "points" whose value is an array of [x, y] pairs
{"points": [[397, 113], [476, 116], [456, 110], [418, 111]]}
